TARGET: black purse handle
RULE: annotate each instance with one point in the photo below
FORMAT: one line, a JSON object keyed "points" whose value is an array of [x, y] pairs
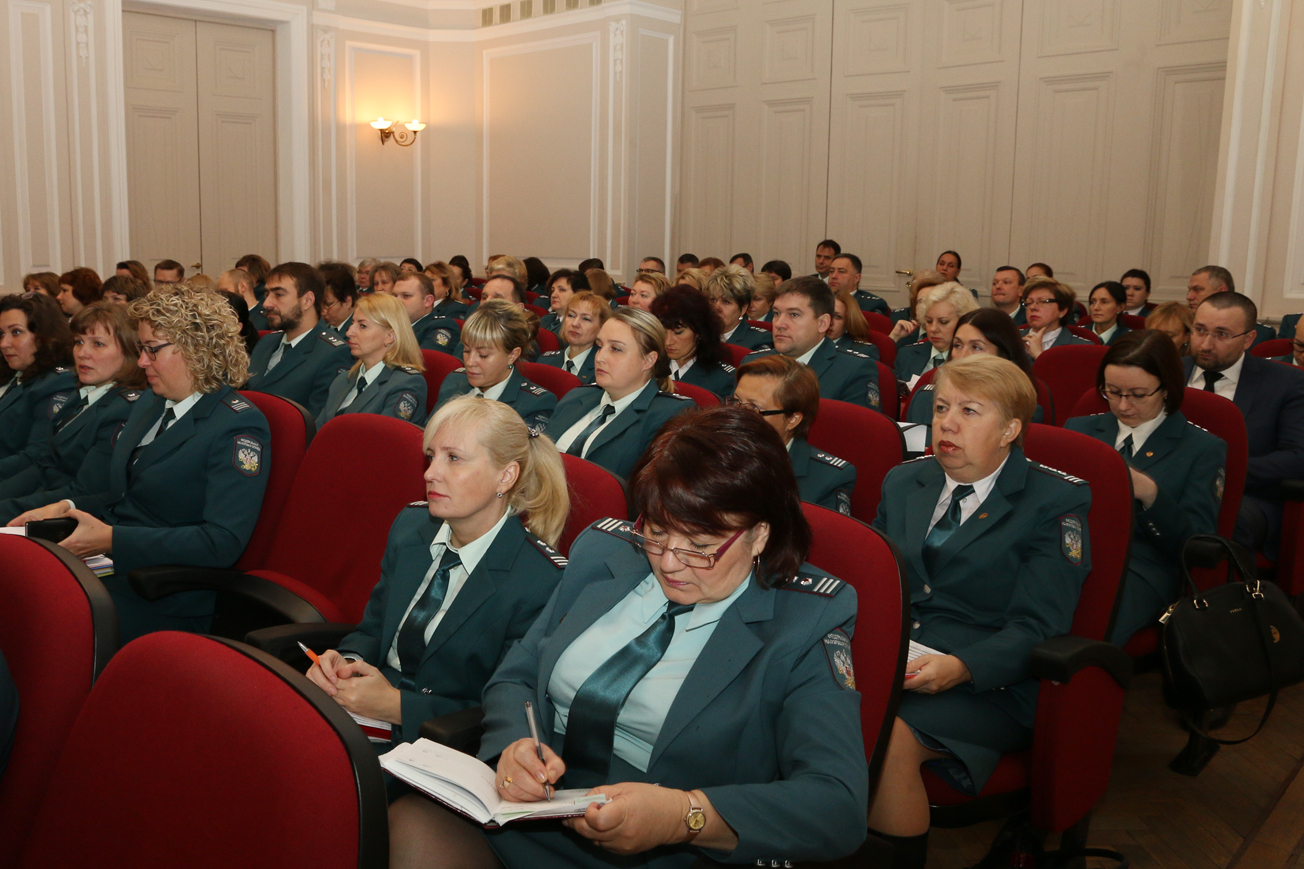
{"points": [[1202, 547]]}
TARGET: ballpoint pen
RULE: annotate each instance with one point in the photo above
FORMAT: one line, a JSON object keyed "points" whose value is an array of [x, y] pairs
{"points": [[538, 746]]}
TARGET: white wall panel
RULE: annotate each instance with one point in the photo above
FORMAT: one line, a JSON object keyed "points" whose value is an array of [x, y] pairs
{"points": [[707, 192], [36, 148]]}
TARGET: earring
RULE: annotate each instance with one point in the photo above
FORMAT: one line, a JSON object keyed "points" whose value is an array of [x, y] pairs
{"points": [[500, 494]]}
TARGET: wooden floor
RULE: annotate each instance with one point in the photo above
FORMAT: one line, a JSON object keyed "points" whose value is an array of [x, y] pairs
{"points": [[1246, 810]]}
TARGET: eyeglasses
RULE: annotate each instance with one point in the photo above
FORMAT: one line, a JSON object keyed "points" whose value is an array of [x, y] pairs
{"points": [[1220, 335], [687, 557], [152, 352], [1134, 396], [731, 401], [1039, 303]]}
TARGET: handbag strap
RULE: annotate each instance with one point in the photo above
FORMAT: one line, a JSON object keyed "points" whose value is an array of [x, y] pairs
{"points": [[1237, 568]]}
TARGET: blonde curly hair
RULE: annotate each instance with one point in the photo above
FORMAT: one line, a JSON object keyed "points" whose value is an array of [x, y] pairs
{"points": [[204, 329]]}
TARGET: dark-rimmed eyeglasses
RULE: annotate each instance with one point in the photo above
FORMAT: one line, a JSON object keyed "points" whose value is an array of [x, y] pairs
{"points": [[736, 402], [688, 557], [1134, 396], [152, 351]]}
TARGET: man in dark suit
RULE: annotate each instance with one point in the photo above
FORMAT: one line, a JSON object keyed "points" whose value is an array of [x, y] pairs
{"points": [[1270, 397], [301, 362], [1007, 293], [802, 316], [845, 275]]}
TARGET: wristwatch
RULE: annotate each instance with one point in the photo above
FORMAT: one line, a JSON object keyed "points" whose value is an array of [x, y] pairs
{"points": [[695, 820]]}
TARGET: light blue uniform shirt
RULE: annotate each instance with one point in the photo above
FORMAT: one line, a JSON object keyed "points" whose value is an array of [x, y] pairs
{"points": [[640, 719]]}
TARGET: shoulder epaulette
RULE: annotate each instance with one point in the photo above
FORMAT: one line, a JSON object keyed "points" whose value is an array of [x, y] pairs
{"points": [[130, 394], [61, 369], [927, 387], [758, 329], [829, 459], [460, 371], [552, 353], [918, 459], [595, 385], [331, 339], [1055, 472], [764, 351], [728, 369], [676, 395], [824, 586], [407, 369], [551, 554], [419, 504], [1200, 427], [851, 352], [236, 403], [534, 389]]}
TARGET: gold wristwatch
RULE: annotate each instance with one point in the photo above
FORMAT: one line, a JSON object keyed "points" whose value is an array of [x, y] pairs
{"points": [[695, 820]]}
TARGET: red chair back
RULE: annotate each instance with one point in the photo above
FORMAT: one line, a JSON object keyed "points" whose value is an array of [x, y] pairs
{"points": [[734, 354], [924, 379], [887, 348], [700, 396], [762, 324], [554, 380], [867, 439], [229, 766], [263, 333], [548, 341], [373, 464], [535, 309], [531, 297], [595, 493], [438, 366], [878, 322], [1272, 347], [622, 300], [1068, 371], [58, 628], [1085, 332], [1132, 321], [889, 400], [292, 430], [868, 562], [473, 290]]}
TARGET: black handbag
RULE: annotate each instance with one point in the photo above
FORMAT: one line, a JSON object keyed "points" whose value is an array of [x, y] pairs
{"points": [[1232, 643]]}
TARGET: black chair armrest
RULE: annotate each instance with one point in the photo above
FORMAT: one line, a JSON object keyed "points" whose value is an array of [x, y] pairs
{"points": [[153, 583], [1060, 658], [282, 641], [461, 730], [1292, 490]]}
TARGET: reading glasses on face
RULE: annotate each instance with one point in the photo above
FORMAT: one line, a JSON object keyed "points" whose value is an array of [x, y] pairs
{"points": [[152, 351], [1134, 396], [1201, 332], [687, 557], [734, 402]]}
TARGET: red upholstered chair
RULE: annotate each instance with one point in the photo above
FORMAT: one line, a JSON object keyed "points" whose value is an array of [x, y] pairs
{"points": [[701, 397], [869, 563], [547, 341], [734, 354], [323, 564], [58, 629], [263, 333], [887, 348], [1132, 321], [438, 366], [1218, 416], [554, 380], [889, 401], [762, 324], [1083, 678], [540, 312], [1044, 400], [924, 379], [595, 493], [1085, 332], [878, 323], [236, 763], [1272, 347], [1069, 371], [292, 430], [530, 297], [869, 440]]}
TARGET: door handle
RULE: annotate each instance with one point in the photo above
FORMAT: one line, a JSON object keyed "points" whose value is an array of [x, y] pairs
{"points": [[197, 265]]}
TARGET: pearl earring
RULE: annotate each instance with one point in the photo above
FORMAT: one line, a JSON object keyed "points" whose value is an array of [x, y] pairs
{"points": [[500, 494]]}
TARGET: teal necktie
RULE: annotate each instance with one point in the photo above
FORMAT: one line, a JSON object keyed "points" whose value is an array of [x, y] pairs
{"points": [[412, 636], [945, 527], [591, 725], [577, 448], [1126, 449]]}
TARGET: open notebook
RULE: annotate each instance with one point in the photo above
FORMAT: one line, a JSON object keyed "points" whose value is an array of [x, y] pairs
{"points": [[468, 786], [100, 565]]}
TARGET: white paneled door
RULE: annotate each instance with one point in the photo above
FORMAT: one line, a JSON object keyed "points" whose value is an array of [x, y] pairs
{"points": [[201, 145]]}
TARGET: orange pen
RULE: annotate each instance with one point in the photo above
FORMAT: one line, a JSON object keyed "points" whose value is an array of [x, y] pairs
{"points": [[311, 655]]}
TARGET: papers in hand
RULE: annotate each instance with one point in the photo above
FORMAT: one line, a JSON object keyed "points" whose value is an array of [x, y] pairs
{"points": [[375, 729], [469, 787], [917, 650], [20, 530], [100, 565]]}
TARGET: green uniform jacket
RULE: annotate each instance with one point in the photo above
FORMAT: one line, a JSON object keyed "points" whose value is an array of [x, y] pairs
{"points": [[193, 494], [822, 478], [1188, 464], [618, 446], [439, 333], [1288, 325], [845, 374], [451, 309], [899, 314], [912, 361], [306, 371], [557, 359], [751, 337], [1006, 580], [534, 403], [1120, 329], [343, 328], [399, 391], [494, 608], [867, 301], [79, 451], [552, 322], [763, 724], [27, 410], [718, 380]]}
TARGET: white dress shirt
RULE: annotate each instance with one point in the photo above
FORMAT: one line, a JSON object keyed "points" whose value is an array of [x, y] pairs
{"points": [[179, 409], [564, 442], [678, 368], [370, 374], [1107, 334], [971, 502], [1140, 433], [577, 360], [805, 358], [495, 391], [280, 348], [1225, 385]]}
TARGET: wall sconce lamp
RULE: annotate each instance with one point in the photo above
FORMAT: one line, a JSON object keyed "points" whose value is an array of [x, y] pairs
{"points": [[404, 135]]}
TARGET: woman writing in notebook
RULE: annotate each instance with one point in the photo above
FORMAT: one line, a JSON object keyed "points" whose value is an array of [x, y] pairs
{"points": [[680, 669]]}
